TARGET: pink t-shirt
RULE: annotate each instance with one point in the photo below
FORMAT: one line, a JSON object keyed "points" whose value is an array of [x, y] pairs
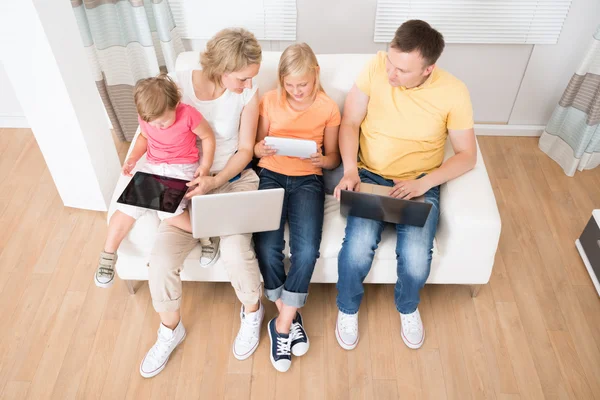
{"points": [[177, 143]]}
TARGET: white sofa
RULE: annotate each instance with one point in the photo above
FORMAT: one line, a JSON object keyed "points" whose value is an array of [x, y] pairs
{"points": [[469, 224]]}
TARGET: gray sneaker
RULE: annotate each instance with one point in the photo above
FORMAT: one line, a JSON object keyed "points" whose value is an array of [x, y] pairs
{"points": [[105, 273], [210, 251]]}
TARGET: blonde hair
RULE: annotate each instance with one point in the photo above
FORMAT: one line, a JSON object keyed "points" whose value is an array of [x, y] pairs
{"points": [[228, 51], [298, 59], [154, 96]]}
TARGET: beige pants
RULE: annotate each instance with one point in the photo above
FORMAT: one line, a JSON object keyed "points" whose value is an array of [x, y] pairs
{"points": [[173, 245]]}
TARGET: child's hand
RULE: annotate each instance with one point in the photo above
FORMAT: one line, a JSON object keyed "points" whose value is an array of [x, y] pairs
{"points": [[202, 171], [128, 166], [317, 159], [261, 149]]}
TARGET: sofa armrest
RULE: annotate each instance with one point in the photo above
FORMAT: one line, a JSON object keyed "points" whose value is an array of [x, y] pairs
{"points": [[469, 224]]}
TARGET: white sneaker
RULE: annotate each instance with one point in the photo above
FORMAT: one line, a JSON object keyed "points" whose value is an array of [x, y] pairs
{"points": [[210, 251], [413, 333], [105, 272], [346, 330], [248, 336], [158, 355]]}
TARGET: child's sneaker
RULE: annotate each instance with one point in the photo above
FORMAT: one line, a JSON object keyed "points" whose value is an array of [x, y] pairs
{"points": [[346, 330], [105, 273], [210, 251], [280, 348], [300, 342], [158, 355]]}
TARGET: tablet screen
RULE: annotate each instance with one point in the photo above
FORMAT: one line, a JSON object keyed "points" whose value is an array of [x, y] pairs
{"points": [[155, 192]]}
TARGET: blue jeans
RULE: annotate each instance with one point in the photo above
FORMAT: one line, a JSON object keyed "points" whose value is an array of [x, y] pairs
{"points": [[414, 247], [303, 208]]}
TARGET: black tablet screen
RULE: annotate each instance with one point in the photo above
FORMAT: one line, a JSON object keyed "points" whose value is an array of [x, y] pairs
{"points": [[155, 192]]}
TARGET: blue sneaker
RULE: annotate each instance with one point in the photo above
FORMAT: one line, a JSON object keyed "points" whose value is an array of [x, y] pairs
{"points": [[300, 342], [280, 348]]}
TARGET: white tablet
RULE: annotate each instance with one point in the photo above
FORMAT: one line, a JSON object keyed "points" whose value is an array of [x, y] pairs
{"points": [[292, 147]]}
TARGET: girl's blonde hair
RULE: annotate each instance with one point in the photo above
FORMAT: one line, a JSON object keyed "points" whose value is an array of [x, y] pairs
{"points": [[154, 96], [228, 51], [299, 59]]}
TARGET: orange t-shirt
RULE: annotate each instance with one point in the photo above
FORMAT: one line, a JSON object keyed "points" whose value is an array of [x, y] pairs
{"points": [[309, 124]]}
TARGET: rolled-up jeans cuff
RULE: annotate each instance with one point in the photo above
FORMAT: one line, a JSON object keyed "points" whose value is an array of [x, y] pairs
{"points": [[292, 299], [274, 294]]}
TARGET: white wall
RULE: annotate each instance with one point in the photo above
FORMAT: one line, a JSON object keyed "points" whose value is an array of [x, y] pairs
{"points": [[510, 84], [11, 113]]}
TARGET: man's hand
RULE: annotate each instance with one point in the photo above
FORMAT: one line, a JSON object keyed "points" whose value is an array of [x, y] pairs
{"points": [[350, 181], [409, 189], [201, 185]]}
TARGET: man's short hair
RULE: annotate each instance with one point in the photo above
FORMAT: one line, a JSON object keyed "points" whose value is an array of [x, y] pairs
{"points": [[419, 35]]}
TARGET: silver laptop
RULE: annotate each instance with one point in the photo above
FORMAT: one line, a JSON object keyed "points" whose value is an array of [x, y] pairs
{"points": [[373, 202], [236, 213]]}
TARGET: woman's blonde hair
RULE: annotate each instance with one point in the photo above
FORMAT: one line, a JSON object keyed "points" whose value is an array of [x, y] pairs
{"points": [[228, 51], [297, 60], [154, 96]]}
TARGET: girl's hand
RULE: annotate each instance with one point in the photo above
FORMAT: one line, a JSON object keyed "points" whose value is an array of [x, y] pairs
{"points": [[128, 166], [202, 171], [261, 149], [317, 159]]}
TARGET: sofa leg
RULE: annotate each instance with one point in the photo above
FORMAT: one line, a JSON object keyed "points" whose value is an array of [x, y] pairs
{"points": [[475, 290], [131, 286]]}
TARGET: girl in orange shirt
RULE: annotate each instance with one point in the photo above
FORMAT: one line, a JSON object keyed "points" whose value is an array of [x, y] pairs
{"points": [[298, 109]]}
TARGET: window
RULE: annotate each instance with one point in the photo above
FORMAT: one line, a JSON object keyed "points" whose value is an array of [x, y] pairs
{"points": [[267, 19], [477, 21]]}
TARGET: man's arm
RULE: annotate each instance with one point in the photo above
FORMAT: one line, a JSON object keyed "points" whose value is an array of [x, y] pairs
{"points": [[464, 159], [355, 110]]}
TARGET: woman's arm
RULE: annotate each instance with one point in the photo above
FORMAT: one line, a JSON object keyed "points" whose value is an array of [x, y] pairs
{"points": [[239, 160]]}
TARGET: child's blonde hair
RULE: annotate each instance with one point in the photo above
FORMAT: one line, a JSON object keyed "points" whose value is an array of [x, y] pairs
{"points": [[154, 96], [299, 59], [228, 51]]}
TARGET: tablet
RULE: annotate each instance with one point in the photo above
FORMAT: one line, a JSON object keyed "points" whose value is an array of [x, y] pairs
{"points": [[292, 147], [155, 192]]}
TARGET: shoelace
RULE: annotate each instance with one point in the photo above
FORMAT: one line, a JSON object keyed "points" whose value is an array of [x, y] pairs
{"points": [[247, 330], [160, 348], [349, 324], [410, 323], [296, 331], [283, 345]]}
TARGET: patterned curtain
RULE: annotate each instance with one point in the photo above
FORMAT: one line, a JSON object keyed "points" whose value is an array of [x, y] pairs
{"points": [[126, 40], [572, 137]]}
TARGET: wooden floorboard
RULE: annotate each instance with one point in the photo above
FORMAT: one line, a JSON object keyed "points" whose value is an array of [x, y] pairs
{"points": [[533, 332]]}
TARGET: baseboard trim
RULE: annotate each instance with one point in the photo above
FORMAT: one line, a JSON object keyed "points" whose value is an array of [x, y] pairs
{"points": [[13, 121], [509, 130]]}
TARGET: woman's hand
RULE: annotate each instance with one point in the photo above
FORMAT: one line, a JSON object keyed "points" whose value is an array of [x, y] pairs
{"points": [[128, 166], [261, 149], [201, 185]]}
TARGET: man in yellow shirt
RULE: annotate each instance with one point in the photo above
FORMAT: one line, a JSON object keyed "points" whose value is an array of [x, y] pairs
{"points": [[401, 110]]}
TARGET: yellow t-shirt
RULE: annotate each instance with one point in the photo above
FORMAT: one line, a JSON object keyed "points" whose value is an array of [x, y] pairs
{"points": [[404, 131], [309, 124]]}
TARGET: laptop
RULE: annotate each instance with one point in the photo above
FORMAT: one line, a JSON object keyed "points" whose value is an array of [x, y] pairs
{"points": [[373, 202], [225, 214]]}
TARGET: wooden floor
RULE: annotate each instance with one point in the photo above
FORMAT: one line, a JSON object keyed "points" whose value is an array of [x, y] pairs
{"points": [[532, 333]]}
